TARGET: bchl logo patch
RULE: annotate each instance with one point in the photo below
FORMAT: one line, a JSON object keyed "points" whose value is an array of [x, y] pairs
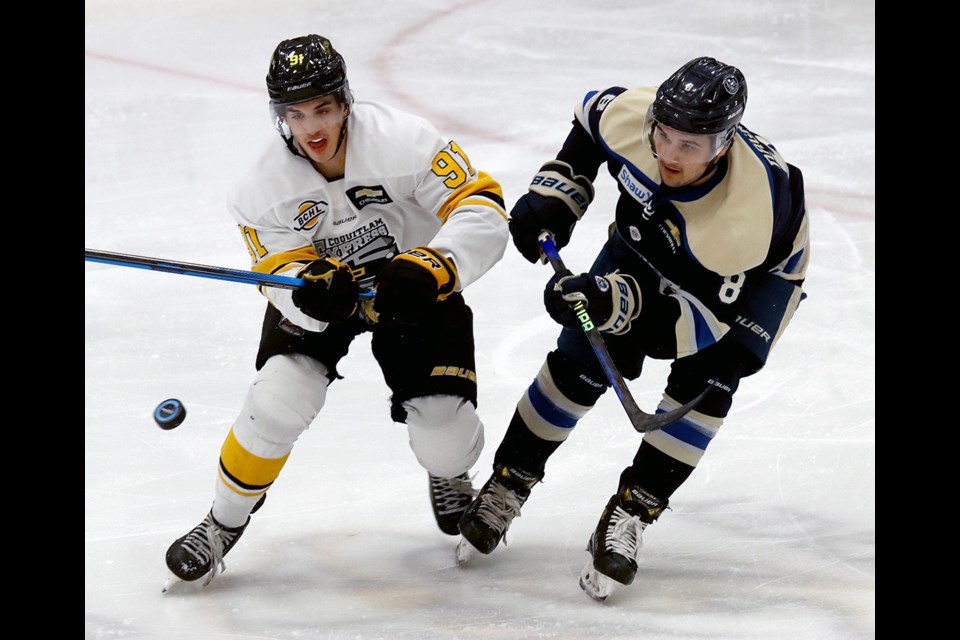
{"points": [[362, 196], [308, 214]]}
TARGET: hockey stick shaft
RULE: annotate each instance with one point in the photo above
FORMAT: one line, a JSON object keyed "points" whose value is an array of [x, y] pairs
{"points": [[199, 270], [640, 420]]}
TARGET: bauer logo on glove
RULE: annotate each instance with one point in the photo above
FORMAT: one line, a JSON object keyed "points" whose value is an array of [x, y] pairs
{"points": [[612, 301], [556, 200], [409, 284]]}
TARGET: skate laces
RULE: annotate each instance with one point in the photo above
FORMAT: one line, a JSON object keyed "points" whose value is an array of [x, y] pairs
{"points": [[625, 536], [452, 495], [206, 543], [499, 505]]}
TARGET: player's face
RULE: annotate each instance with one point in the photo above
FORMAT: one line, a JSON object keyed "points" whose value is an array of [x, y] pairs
{"points": [[315, 125], [683, 158]]}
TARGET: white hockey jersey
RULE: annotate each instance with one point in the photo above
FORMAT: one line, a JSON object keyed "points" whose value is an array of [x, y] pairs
{"points": [[404, 186]]}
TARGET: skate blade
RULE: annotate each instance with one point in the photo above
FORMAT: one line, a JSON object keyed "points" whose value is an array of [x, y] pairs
{"points": [[174, 582], [595, 584], [465, 551], [171, 583]]}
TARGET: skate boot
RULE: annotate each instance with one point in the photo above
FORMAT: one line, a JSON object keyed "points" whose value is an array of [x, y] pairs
{"points": [[615, 544], [486, 522], [200, 552], [450, 497]]}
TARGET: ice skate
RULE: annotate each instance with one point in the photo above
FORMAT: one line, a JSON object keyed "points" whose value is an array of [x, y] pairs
{"points": [[200, 553], [486, 522], [616, 543], [450, 498]]}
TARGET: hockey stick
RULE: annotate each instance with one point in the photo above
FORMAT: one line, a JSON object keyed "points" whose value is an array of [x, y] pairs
{"points": [[641, 420], [199, 270]]}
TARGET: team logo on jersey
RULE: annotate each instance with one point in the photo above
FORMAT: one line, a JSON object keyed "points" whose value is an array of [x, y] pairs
{"points": [[308, 214], [365, 249], [362, 196]]}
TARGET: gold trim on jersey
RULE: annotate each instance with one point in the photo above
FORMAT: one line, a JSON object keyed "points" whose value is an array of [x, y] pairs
{"points": [[472, 193], [285, 260]]}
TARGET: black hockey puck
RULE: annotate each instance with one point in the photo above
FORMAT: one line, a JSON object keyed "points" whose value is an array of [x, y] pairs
{"points": [[169, 413]]}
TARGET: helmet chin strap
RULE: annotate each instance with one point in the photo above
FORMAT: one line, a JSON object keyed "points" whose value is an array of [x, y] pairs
{"points": [[343, 131], [711, 166]]}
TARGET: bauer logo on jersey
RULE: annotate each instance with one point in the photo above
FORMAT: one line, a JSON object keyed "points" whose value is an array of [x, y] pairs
{"points": [[639, 192], [362, 196], [308, 214]]}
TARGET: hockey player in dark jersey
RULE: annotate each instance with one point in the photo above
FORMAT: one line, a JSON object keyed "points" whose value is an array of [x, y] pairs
{"points": [[703, 266]]}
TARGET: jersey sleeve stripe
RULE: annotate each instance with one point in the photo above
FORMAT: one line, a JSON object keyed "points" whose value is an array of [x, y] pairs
{"points": [[484, 190], [286, 260]]}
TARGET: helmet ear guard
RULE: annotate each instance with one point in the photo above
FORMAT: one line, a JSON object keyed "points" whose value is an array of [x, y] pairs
{"points": [[280, 124]]}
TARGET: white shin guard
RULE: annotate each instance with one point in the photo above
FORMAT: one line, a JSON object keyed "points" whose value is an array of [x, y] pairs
{"points": [[285, 397], [445, 432]]}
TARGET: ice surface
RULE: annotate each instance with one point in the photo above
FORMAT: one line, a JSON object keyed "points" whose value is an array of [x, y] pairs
{"points": [[772, 537]]}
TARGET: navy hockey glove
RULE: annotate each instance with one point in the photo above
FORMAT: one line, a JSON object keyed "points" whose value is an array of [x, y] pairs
{"points": [[612, 301], [409, 284], [557, 199], [330, 292]]}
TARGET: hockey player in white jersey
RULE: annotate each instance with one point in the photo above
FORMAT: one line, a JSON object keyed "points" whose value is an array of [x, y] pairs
{"points": [[352, 197]]}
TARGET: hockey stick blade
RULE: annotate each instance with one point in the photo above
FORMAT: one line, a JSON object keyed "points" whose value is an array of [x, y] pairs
{"points": [[199, 270], [641, 420]]}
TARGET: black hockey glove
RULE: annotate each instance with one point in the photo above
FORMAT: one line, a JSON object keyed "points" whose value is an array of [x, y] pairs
{"points": [[557, 199], [330, 292], [409, 284], [612, 301]]}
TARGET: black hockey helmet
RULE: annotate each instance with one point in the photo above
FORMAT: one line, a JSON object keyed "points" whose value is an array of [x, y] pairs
{"points": [[702, 97], [305, 68], [302, 69]]}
